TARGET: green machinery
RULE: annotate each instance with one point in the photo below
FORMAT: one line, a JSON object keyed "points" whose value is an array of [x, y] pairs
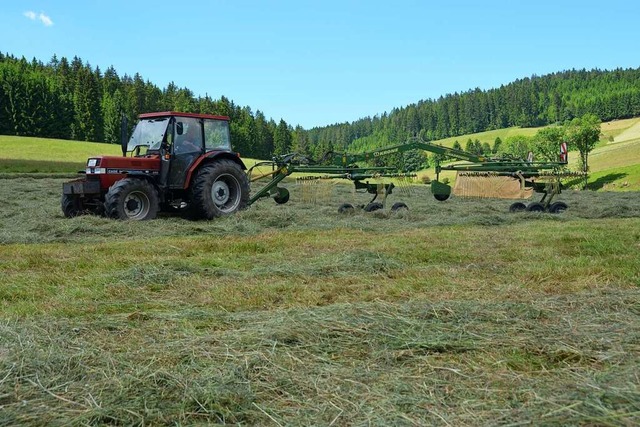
{"points": [[539, 177]]}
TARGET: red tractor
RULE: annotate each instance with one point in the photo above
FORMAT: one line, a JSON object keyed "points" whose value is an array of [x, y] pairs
{"points": [[176, 162]]}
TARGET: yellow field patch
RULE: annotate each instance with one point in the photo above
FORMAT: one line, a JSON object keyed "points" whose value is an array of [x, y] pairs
{"points": [[630, 133]]}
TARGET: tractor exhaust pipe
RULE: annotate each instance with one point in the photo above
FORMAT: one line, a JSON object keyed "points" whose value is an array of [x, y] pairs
{"points": [[123, 134]]}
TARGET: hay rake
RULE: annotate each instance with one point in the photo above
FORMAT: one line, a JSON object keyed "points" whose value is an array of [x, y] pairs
{"points": [[478, 176]]}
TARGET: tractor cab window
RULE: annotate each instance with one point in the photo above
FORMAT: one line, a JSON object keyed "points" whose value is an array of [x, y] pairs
{"points": [[148, 135], [216, 135], [188, 136]]}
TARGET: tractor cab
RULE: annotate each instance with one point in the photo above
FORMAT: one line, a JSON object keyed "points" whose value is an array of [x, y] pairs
{"points": [[178, 140]]}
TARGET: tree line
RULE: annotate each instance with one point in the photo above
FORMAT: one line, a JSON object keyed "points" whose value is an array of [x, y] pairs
{"points": [[555, 98], [72, 100]]}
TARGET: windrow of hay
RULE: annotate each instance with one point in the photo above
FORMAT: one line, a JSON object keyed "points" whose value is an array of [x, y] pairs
{"points": [[30, 213], [565, 360]]}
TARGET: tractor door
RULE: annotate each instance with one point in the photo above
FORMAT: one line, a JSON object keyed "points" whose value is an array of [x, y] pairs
{"points": [[187, 147], [165, 155]]}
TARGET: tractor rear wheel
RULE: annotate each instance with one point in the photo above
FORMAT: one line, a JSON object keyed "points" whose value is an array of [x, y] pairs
{"points": [[219, 188], [132, 198]]}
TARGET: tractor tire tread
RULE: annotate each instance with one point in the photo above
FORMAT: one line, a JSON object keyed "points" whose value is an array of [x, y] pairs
{"points": [[118, 191], [201, 206]]}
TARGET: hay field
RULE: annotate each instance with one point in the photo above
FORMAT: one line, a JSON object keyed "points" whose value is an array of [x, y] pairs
{"points": [[629, 133], [453, 313]]}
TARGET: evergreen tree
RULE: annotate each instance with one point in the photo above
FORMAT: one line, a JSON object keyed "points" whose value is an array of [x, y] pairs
{"points": [[12, 83], [112, 110], [264, 137], [496, 145], [469, 146], [477, 147], [300, 143], [87, 124], [282, 139]]}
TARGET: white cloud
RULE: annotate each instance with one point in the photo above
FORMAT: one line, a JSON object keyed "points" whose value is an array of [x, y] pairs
{"points": [[45, 19]]}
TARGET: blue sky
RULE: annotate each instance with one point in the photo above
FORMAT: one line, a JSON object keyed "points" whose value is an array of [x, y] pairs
{"points": [[315, 63]]}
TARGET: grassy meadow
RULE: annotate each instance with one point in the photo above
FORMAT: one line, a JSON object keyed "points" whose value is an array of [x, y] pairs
{"points": [[42, 155], [451, 313]]}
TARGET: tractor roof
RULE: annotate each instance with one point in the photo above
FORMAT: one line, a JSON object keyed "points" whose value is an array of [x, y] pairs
{"points": [[177, 114]]}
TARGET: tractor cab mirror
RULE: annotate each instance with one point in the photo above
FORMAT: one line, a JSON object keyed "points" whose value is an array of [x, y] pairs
{"points": [[179, 128]]}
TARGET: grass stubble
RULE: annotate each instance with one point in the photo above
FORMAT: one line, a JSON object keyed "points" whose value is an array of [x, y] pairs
{"points": [[453, 313]]}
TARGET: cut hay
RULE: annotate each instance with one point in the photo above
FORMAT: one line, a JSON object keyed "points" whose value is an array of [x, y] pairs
{"points": [[569, 360]]}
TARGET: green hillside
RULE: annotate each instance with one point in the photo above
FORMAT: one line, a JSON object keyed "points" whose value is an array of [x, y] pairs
{"points": [[24, 148], [42, 155], [614, 163]]}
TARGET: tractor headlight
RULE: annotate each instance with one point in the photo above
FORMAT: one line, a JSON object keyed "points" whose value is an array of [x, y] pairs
{"points": [[96, 170], [92, 163]]}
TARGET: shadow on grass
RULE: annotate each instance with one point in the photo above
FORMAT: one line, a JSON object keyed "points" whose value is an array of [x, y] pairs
{"points": [[599, 183]]}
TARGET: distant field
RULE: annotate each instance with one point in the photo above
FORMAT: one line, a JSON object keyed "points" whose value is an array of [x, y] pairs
{"points": [[628, 133], [42, 149], [41, 155], [620, 130], [488, 136]]}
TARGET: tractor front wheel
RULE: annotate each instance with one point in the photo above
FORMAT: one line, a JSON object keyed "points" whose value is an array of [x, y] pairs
{"points": [[219, 188], [70, 206], [132, 198], [73, 205]]}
